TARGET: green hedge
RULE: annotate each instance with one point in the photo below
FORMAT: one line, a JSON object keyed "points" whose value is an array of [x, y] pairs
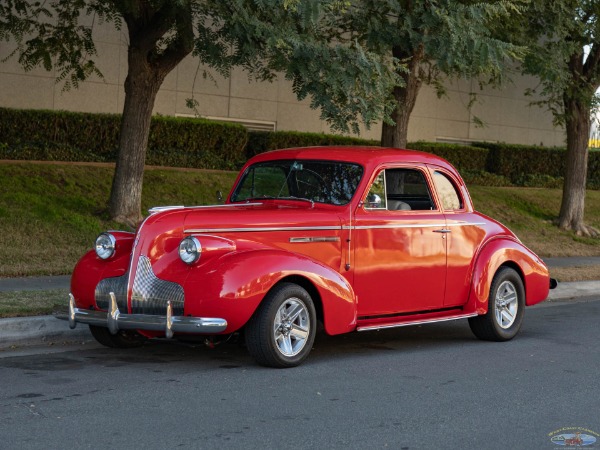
{"points": [[69, 136], [263, 141], [187, 142], [463, 157]]}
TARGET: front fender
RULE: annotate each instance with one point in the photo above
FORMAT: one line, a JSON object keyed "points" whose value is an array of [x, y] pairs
{"points": [[90, 270], [233, 286], [505, 251]]}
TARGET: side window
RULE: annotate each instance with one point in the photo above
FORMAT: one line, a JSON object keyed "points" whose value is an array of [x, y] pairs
{"points": [[447, 192], [400, 190], [376, 197], [407, 189]]}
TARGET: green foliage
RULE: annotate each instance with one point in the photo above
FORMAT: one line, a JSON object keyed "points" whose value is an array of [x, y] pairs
{"points": [[262, 141], [49, 34], [198, 143], [517, 161], [463, 157], [437, 39], [68, 136], [348, 82], [563, 38], [60, 205]]}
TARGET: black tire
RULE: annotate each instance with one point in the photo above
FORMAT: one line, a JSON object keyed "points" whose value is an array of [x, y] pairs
{"points": [[123, 339], [288, 344], [506, 306]]}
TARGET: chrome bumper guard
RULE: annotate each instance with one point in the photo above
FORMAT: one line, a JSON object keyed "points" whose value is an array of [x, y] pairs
{"points": [[114, 320]]}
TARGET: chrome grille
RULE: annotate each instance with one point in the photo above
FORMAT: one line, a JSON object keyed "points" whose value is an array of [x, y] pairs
{"points": [[150, 294], [118, 285]]}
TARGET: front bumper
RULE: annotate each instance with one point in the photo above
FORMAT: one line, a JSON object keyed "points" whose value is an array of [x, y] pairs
{"points": [[114, 320]]}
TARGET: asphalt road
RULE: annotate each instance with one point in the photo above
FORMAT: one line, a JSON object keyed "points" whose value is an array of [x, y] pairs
{"points": [[429, 387]]}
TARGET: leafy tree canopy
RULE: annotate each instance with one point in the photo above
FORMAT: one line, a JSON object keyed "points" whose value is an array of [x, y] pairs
{"points": [[564, 41], [346, 81]]}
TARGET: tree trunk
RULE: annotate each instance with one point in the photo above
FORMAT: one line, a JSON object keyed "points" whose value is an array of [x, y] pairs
{"points": [[578, 123], [141, 86], [405, 97], [148, 67]]}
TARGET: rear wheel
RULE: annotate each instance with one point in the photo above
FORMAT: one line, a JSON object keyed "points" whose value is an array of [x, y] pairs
{"points": [[282, 331], [506, 305], [123, 339]]}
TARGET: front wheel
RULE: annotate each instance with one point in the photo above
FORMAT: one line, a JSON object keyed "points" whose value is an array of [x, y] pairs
{"points": [[282, 330], [506, 305]]}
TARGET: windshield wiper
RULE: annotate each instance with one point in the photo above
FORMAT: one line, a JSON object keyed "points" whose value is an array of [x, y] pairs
{"points": [[291, 197]]}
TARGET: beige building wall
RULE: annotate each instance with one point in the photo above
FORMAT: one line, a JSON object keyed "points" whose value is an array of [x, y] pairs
{"points": [[506, 113]]}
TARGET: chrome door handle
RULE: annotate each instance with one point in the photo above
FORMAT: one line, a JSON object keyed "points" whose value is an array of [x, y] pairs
{"points": [[443, 230]]}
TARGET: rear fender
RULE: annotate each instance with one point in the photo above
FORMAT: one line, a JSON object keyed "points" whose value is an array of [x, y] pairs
{"points": [[234, 285], [504, 251]]}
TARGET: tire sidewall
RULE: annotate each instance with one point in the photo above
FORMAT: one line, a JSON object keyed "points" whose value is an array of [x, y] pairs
{"points": [[510, 275], [274, 301]]}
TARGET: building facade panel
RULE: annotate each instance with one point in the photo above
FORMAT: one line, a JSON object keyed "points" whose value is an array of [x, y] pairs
{"points": [[505, 112]]}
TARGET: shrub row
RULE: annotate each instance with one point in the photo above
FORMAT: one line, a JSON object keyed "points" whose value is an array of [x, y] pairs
{"points": [[263, 141], [69, 136], [186, 142], [495, 164]]}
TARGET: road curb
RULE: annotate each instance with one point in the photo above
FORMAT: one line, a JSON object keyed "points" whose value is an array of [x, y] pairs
{"points": [[574, 289], [25, 331]]}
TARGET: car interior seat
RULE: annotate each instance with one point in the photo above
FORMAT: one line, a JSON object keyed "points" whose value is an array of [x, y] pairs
{"points": [[397, 205]]}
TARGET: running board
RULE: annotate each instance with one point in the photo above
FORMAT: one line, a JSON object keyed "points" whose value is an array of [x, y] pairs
{"points": [[414, 322]]}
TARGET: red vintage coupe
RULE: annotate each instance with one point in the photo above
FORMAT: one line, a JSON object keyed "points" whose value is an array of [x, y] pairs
{"points": [[357, 238]]}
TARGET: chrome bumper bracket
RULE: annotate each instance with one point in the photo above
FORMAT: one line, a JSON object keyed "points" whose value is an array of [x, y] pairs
{"points": [[114, 320]]}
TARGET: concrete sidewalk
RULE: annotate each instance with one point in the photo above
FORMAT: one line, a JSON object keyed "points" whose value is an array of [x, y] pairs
{"points": [[35, 283]]}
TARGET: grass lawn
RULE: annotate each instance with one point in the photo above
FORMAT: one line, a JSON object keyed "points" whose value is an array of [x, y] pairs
{"points": [[50, 214], [33, 303], [529, 212]]}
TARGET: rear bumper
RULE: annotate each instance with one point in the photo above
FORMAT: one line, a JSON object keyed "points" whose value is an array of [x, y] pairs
{"points": [[114, 320]]}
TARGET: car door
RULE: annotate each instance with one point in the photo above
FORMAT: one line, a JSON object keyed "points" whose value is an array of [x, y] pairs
{"points": [[466, 232], [399, 245]]}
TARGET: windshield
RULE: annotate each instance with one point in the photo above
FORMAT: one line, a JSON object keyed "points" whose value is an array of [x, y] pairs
{"points": [[331, 182]]}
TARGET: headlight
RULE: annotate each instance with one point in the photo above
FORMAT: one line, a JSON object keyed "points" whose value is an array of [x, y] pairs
{"points": [[190, 250], [105, 245]]}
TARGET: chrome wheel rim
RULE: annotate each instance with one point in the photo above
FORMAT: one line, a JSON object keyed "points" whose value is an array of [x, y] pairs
{"points": [[507, 305], [291, 327]]}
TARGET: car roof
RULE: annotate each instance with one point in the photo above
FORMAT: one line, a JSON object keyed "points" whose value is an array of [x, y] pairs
{"points": [[368, 156]]}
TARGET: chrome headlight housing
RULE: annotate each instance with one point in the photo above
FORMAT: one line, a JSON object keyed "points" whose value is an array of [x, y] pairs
{"points": [[105, 245], [190, 250]]}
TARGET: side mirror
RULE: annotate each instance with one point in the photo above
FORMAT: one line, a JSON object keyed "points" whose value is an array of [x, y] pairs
{"points": [[219, 197]]}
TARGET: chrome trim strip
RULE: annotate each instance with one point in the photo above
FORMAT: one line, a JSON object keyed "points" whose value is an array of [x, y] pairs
{"points": [[225, 205], [414, 225], [158, 209], [415, 322], [250, 229], [344, 227], [115, 321], [297, 240], [131, 275]]}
